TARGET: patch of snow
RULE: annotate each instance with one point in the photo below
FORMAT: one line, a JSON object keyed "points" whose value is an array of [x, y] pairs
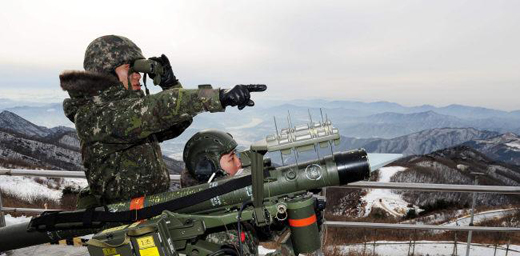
{"points": [[480, 217], [393, 248], [73, 182], [514, 145], [386, 173], [51, 250], [10, 220], [263, 251], [28, 189]]}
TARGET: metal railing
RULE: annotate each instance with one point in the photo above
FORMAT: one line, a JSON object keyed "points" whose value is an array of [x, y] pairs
{"points": [[352, 224], [369, 247], [360, 184]]}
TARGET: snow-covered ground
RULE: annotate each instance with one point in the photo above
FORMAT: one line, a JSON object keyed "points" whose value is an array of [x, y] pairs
{"points": [[10, 220], [26, 188], [480, 217], [50, 250], [514, 145], [385, 198], [391, 248]]}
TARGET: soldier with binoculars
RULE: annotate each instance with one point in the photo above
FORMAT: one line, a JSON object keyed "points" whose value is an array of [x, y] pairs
{"points": [[120, 127]]}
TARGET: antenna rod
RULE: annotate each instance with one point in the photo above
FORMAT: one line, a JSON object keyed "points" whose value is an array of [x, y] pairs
{"points": [[289, 119], [278, 138], [276, 126]]}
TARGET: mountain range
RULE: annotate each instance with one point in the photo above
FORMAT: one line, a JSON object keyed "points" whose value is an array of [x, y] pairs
{"points": [[353, 119], [419, 143]]}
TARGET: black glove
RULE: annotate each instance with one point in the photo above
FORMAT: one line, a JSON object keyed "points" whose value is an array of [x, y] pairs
{"points": [[240, 95], [168, 79]]}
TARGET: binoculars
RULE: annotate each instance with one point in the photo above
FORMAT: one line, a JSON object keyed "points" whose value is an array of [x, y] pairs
{"points": [[153, 68]]}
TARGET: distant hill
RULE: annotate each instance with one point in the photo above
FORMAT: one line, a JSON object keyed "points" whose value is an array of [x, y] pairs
{"points": [[456, 110], [505, 148], [419, 143], [453, 166], [48, 115], [15, 123]]}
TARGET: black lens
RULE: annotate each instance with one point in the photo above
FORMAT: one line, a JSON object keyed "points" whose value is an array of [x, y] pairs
{"points": [[352, 166]]}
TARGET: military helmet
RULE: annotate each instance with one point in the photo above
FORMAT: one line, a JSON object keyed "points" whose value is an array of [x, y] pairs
{"points": [[203, 151], [106, 53]]}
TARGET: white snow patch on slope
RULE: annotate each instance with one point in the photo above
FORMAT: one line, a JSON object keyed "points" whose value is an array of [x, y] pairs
{"points": [[514, 145], [392, 248], [481, 217], [385, 198], [28, 189], [10, 220]]}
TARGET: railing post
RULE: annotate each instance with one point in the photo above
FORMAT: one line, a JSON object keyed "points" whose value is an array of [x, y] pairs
{"points": [[455, 244], [364, 242], [409, 246], [2, 217], [470, 233], [414, 238], [374, 251]]}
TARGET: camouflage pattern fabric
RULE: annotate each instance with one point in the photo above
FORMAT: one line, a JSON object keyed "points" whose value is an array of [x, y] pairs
{"points": [[106, 53], [118, 131], [230, 237]]}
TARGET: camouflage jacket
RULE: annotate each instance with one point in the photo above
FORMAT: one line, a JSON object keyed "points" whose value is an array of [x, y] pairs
{"points": [[120, 131]]}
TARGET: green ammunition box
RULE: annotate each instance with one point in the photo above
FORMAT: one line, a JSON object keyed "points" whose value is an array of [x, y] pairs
{"points": [[147, 238]]}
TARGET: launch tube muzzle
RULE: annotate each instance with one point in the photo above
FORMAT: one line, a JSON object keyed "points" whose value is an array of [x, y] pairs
{"points": [[352, 166]]}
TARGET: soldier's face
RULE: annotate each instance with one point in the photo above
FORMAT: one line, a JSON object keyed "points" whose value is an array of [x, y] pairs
{"points": [[230, 163], [122, 74]]}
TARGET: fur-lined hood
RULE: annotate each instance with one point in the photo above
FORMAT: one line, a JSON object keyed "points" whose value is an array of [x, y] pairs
{"points": [[86, 83], [85, 87]]}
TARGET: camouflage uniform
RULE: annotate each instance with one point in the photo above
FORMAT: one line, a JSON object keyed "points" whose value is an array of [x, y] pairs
{"points": [[120, 130]]}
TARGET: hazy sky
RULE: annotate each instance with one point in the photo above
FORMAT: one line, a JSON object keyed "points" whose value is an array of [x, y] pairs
{"points": [[409, 52]]}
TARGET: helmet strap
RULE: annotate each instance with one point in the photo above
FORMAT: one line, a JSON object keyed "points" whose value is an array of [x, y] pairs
{"points": [[145, 87], [212, 177]]}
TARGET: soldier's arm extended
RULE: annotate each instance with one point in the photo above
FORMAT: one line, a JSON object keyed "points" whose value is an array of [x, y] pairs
{"points": [[131, 120], [177, 129]]}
